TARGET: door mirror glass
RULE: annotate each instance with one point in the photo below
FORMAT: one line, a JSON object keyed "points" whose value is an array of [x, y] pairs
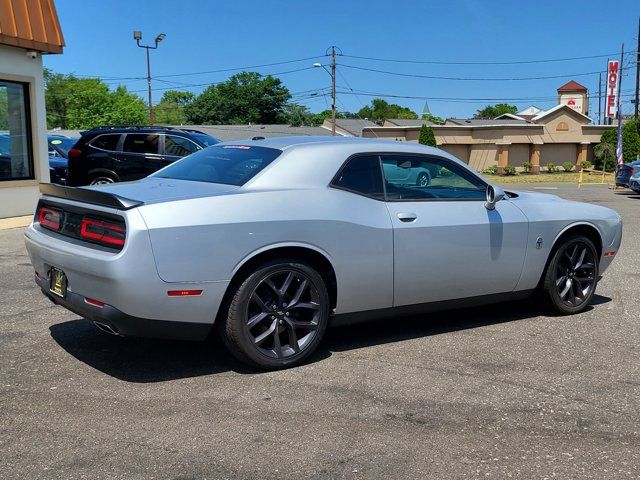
{"points": [[494, 195]]}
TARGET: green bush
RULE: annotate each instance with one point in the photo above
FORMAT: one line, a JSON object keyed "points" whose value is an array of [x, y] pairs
{"points": [[568, 166], [492, 170], [527, 166], [427, 136], [551, 167], [509, 170], [586, 164]]}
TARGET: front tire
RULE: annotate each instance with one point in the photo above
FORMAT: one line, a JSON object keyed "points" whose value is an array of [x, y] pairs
{"points": [[423, 179], [102, 180], [572, 275], [277, 315]]}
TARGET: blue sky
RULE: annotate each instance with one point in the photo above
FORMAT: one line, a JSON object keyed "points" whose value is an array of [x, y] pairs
{"points": [[206, 35]]}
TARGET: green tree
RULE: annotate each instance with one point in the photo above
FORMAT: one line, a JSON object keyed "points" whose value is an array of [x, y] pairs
{"points": [[492, 111], [81, 103], [246, 97], [380, 110], [427, 136], [4, 109], [170, 109], [433, 118], [630, 140], [296, 115], [605, 153]]}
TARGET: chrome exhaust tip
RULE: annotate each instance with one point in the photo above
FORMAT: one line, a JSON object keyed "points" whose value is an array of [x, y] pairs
{"points": [[106, 328]]}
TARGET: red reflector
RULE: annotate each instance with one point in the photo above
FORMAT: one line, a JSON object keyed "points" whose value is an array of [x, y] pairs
{"points": [[609, 254], [73, 153], [102, 231], [95, 303], [49, 218], [184, 293]]}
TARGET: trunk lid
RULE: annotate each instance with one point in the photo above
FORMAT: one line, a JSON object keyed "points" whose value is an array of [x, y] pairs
{"points": [[157, 190]]}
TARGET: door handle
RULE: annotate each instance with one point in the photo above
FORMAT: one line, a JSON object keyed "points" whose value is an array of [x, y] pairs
{"points": [[407, 217]]}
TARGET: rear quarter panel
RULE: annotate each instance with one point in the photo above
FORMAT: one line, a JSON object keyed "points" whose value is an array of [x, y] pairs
{"points": [[208, 239]]}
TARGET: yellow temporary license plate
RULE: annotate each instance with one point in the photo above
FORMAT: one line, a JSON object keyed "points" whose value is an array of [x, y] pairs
{"points": [[58, 285]]}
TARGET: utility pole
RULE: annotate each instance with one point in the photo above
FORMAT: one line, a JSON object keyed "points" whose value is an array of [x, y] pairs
{"points": [[599, 99], [333, 90], [331, 73], [635, 111], [137, 36]]}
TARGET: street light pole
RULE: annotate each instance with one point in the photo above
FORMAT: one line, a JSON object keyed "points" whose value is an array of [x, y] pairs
{"points": [[137, 36]]}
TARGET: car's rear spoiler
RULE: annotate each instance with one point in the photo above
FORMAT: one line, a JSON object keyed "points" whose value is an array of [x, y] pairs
{"points": [[94, 197]]}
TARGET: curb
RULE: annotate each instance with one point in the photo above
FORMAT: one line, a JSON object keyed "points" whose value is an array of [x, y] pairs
{"points": [[15, 222]]}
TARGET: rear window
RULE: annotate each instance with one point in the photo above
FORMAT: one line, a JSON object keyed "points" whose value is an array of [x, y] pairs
{"points": [[228, 164], [106, 142]]}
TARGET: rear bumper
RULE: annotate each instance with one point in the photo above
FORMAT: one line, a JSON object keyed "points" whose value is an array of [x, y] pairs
{"points": [[120, 323]]}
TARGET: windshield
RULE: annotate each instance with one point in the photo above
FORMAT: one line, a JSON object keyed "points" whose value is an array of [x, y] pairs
{"points": [[207, 140], [227, 164], [62, 144]]}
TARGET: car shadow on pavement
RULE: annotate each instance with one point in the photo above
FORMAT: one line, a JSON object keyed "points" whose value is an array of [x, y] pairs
{"points": [[141, 360], [435, 323]]}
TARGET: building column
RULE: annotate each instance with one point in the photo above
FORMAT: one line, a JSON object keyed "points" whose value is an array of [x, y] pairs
{"points": [[534, 157], [582, 155], [503, 156]]}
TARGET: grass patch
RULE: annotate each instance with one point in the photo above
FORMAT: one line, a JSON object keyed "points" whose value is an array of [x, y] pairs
{"points": [[558, 177]]}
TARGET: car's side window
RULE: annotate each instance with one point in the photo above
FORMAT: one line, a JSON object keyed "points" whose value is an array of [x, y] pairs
{"points": [[411, 177], [179, 146], [361, 175], [106, 142], [141, 143]]}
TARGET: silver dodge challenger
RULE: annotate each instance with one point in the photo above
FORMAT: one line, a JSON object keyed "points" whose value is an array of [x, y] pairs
{"points": [[270, 240]]}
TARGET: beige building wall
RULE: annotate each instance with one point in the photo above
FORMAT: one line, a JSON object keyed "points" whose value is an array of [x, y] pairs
{"points": [[562, 135], [19, 197]]}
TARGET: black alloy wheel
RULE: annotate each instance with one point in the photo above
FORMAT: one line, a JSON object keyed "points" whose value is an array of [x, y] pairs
{"points": [[278, 315], [571, 277]]}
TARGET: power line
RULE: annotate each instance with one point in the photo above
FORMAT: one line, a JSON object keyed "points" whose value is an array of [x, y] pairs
{"points": [[470, 79], [517, 62]]}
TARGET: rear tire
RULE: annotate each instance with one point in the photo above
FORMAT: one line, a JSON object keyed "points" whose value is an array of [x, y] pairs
{"points": [[571, 277], [277, 316], [102, 180]]}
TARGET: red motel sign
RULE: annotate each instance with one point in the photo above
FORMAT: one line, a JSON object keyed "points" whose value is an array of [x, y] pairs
{"points": [[612, 87]]}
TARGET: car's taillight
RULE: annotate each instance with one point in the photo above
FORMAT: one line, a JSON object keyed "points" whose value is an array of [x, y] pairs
{"points": [[73, 153], [49, 218], [103, 231]]}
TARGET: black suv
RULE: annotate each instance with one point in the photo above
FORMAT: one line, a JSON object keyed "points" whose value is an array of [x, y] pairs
{"points": [[119, 154]]}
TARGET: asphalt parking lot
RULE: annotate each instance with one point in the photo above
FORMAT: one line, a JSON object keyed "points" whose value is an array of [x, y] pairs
{"points": [[497, 392]]}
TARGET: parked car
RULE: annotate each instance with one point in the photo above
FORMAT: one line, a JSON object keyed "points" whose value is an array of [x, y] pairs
{"points": [[5, 156], [405, 173], [271, 239], [112, 154], [59, 146], [625, 171], [634, 181]]}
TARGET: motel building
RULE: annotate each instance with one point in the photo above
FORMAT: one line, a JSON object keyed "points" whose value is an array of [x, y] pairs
{"points": [[28, 29], [564, 133]]}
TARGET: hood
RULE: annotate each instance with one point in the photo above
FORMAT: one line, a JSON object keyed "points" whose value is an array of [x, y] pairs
{"points": [[536, 196], [157, 190]]}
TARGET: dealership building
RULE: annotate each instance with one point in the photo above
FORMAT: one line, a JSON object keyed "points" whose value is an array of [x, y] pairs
{"points": [[28, 29], [561, 134]]}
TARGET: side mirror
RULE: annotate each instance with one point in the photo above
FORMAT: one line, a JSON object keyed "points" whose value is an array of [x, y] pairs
{"points": [[494, 195]]}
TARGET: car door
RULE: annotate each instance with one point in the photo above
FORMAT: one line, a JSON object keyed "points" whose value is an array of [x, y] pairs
{"points": [[447, 245], [140, 155]]}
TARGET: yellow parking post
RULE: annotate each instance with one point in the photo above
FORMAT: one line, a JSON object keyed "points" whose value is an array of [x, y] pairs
{"points": [[580, 178]]}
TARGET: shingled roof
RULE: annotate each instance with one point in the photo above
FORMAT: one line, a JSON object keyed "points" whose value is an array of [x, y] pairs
{"points": [[30, 24], [572, 86]]}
